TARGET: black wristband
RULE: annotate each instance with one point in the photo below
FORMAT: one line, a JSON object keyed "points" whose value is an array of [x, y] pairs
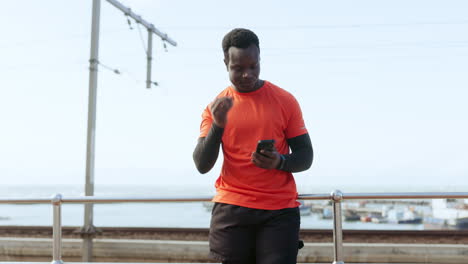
{"points": [[282, 162]]}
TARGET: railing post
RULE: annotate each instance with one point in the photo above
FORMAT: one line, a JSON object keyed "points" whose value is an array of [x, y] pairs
{"points": [[57, 230], [337, 197]]}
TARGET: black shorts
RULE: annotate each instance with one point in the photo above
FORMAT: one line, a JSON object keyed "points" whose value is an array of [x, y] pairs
{"points": [[253, 236]]}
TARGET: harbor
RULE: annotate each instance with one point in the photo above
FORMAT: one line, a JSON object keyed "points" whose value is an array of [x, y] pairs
{"points": [[384, 214], [425, 214], [189, 251], [441, 214], [188, 245]]}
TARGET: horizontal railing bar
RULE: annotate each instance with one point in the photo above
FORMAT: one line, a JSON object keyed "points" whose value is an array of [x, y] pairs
{"points": [[94, 199], [406, 195], [25, 200], [346, 196], [314, 197]]}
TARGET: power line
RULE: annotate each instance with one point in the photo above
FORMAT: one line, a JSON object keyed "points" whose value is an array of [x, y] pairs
{"points": [[311, 49], [68, 37], [114, 70], [324, 26], [125, 72], [142, 40], [129, 22], [135, 79]]}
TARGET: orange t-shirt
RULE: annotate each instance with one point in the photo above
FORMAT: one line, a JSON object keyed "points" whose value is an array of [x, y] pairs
{"points": [[267, 113]]}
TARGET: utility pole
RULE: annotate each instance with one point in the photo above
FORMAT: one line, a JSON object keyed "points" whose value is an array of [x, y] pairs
{"points": [[88, 231]]}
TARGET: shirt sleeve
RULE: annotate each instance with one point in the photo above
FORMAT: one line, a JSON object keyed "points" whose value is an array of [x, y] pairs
{"points": [[206, 122], [296, 125]]}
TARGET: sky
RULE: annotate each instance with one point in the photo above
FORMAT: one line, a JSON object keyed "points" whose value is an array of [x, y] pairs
{"points": [[382, 86]]}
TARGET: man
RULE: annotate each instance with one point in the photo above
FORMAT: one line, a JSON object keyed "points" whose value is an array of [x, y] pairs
{"points": [[255, 218]]}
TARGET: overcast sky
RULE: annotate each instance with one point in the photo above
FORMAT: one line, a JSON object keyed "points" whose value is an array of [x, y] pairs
{"points": [[382, 84]]}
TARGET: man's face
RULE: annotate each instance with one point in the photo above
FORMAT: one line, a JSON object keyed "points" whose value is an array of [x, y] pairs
{"points": [[243, 66]]}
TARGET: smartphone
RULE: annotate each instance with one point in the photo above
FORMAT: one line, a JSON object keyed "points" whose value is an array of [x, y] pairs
{"points": [[266, 144]]}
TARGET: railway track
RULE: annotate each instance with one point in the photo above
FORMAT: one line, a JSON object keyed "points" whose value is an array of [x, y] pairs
{"points": [[201, 234]]}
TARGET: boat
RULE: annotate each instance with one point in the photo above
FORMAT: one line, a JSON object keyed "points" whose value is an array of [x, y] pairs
{"points": [[379, 220], [415, 220], [406, 215], [366, 218], [461, 223], [351, 216], [452, 213]]}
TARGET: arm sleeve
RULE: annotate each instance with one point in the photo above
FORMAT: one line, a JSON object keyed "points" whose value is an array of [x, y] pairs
{"points": [[301, 155], [207, 150]]}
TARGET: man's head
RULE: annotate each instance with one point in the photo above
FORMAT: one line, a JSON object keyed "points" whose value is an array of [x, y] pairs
{"points": [[242, 58]]}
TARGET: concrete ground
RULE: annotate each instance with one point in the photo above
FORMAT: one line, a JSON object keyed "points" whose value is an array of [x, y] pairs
{"points": [[163, 251]]}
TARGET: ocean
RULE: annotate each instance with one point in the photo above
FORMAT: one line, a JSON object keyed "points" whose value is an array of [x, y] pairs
{"points": [[186, 214]]}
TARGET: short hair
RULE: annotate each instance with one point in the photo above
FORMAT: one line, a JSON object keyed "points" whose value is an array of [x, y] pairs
{"points": [[239, 38]]}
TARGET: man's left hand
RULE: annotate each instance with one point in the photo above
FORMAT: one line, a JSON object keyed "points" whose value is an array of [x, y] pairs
{"points": [[266, 159]]}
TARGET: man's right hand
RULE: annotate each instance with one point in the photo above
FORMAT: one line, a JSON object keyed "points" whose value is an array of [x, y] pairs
{"points": [[219, 109]]}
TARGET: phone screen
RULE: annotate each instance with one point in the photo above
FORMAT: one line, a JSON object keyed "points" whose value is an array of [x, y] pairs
{"points": [[268, 144]]}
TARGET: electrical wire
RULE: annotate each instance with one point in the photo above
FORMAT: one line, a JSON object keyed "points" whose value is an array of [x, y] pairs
{"points": [[116, 71], [142, 40], [85, 36], [324, 26]]}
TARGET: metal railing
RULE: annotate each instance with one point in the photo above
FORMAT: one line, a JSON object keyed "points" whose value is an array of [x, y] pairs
{"points": [[336, 198]]}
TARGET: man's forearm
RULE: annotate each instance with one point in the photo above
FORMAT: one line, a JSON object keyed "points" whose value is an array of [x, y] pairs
{"points": [[302, 154], [207, 150]]}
